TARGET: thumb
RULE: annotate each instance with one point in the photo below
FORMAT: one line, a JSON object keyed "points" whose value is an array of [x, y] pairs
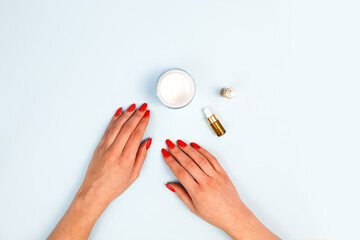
{"points": [[183, 195]]}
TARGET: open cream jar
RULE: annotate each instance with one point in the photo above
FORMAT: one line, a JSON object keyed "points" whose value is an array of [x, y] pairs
{"points": [[175, 88]]}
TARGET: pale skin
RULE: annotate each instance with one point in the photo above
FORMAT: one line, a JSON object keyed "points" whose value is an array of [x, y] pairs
{"points": [[205, 187]]}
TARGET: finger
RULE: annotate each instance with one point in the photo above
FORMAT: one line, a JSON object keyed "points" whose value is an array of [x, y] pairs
{"points": [[128, 128], [212, 160], [140, 158], [185, 161], [118, 124], [134, 141], [183, 195], [113, 120], [184, 177], [201, 161]]}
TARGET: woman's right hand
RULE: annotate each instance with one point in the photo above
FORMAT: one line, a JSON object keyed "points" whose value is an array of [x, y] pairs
{"points": [[209, 193]]}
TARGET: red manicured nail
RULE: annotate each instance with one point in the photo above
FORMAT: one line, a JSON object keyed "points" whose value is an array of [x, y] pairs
{"points": [[194, 145], [143, 107], [170, 144], [131, 108], [148, 143], [118, 112], [147, 113], [165, 153], [170, 187], [181, 143]]}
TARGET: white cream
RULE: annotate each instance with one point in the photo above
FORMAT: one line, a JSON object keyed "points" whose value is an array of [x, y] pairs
{"points": [[175, 88]]}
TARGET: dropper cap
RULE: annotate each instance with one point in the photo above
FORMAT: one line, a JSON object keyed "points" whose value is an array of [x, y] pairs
{"points": [[207, 112]]}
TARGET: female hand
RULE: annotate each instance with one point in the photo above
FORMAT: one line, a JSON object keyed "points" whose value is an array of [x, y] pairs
{"points": [[118, 158], [115, 165], [209, 193]]}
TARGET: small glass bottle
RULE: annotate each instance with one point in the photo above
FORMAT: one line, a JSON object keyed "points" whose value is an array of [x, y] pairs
{"points": [[214, 122], [228, 92]]}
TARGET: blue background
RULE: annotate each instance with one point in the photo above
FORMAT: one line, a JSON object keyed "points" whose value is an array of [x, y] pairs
{"points": [[292, 141]]}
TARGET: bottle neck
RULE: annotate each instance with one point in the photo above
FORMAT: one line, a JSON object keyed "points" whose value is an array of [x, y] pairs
{"points": [[212, 119]]}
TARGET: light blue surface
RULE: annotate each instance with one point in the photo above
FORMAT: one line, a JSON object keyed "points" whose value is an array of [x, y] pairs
{"points": [[292, 141]]}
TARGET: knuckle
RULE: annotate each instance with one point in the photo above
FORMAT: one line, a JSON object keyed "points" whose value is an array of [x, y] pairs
{"points": [[225, 178], [193, 189], [212, 186], [112, 131], [213, 158], [127, 156], [189, 165], [137, 134], [209, 182], [123, 164], [127, 129], [109, 156], [202, 161], [182, 174]]}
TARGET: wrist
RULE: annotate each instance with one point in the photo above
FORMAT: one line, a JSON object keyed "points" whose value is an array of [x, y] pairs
{"points": [[248, 226], [86, 208], [80, 217], [89, 200], [242, 223]]}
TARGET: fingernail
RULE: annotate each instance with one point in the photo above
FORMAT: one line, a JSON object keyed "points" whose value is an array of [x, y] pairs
{"points": [[147, 113], [148, 143], [118, 112], [165, 153], [170, 144], [143, 107], [131, 108], [194, 145], [181, 143], [170, 187]]}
